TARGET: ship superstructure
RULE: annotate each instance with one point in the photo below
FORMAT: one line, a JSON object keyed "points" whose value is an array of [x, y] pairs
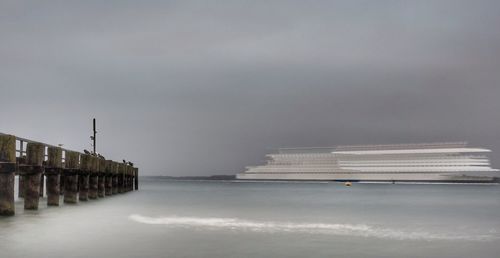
{"points": [[430, 162]]}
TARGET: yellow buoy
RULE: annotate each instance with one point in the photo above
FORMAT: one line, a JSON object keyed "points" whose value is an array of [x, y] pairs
{"points": [[347, 183]]}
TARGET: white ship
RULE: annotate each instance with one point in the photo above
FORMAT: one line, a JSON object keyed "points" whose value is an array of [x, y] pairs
{"points": [[424, 162]]}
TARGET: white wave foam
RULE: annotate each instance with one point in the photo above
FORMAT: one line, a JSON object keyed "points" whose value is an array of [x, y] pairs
{"points": [[359, 230]]}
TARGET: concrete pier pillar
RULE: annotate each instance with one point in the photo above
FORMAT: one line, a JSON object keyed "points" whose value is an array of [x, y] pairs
{"points": [[101, 184], [121, 178], [20, 185], [7, 174], [114, 179], [42, 184], [93, 180], [83, 177], [32, 171], [71, 169], [62, 180], [108, 181], [126, 178], [136, 177], [53, 172]]}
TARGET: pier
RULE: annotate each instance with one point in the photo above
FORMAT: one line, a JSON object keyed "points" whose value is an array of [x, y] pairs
{"points": [[78, 177]]}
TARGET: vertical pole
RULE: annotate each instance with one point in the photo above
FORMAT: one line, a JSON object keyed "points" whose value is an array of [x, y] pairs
{"points": [[53, 172], [72, 165], [35, 154], [95, 133], [7, 174]]}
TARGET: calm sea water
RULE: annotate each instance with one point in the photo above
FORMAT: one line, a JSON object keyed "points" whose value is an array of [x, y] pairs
{"points": [[234, 219]]}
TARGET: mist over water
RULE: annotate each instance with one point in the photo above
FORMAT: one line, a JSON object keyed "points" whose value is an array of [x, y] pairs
{"points": [[240, 219]]}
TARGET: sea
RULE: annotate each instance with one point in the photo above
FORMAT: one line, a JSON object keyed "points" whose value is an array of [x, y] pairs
{"points": [[215, 219]]}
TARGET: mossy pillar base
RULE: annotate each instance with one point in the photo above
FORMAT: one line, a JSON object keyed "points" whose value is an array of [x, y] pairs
{"points": [[71, 189], [31, 191], [7, 207], [83, 182], [53, 186], [42, 184], [108, 185], [93, 180], [20, 187], [101, 189], [115, 184], [62, 180]]}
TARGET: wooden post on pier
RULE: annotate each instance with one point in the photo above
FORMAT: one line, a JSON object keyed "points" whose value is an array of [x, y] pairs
{"points": [[108, 181], [136, 177], [7, 174], [116, 168], [35, 154], [93, 179], [53, 172], [71, 170], [101, 182], [83, 177]]}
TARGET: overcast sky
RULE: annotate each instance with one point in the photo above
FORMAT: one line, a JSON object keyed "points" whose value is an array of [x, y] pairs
{"points": [[209, 87]]}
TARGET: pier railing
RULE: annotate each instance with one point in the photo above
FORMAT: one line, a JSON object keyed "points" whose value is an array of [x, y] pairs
{"points": [[74, 175]]}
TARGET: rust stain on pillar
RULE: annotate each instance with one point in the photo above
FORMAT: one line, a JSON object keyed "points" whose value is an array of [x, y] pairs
{"points": [[7, 174], [71, 170], [53, 172], [101, 185], [83, 176], [93, 179], [35, 154]]}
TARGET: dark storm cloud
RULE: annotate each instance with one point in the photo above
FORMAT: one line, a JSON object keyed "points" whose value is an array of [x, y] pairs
{"points": [[204, 87]]}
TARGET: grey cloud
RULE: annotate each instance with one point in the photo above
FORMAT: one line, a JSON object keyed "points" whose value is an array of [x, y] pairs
{"points": [[204, 87]]}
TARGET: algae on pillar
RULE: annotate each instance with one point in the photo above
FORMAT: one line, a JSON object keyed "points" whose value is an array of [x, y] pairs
{"points": [[71, 169], [35, 154], [53, 172], [7, 174]]}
